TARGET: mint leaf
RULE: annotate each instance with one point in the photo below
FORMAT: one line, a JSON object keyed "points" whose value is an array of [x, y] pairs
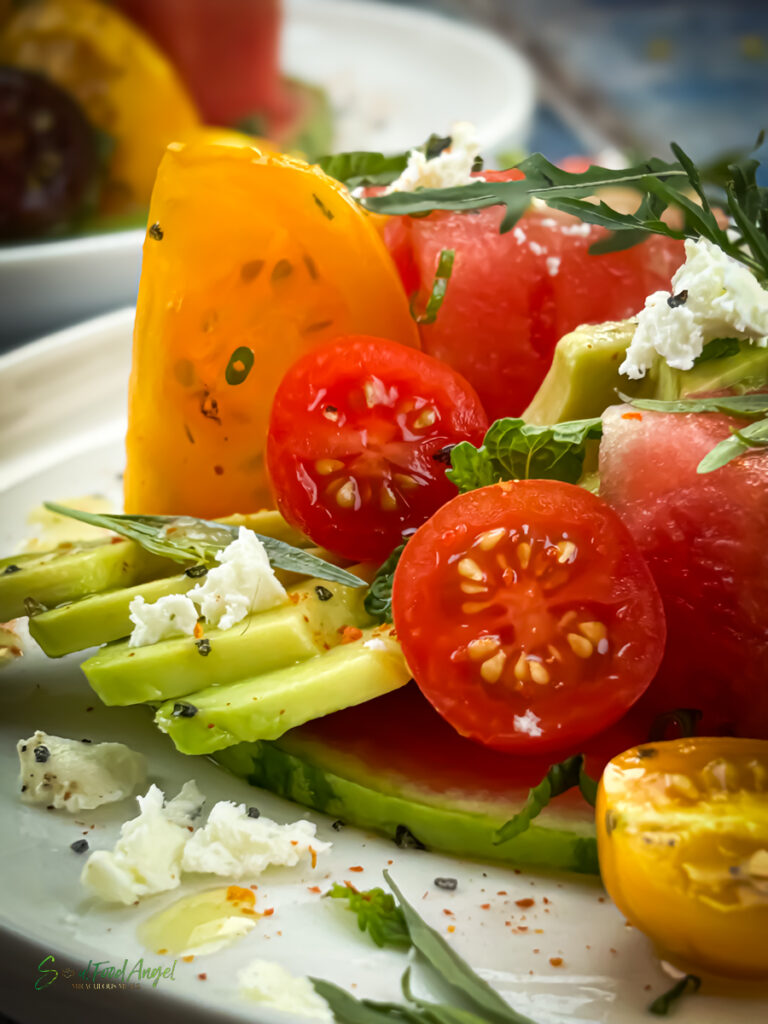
{"points": [[184, 539], [362, 168], [377, 913], [559, 778], [718, 348], [515, 450], [378, 600]]}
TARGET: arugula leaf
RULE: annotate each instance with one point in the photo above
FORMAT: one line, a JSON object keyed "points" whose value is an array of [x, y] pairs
{"points": [[753, 436], [515, 450], [439, 287], [378, 600], [560, 777], [662, 1004], [454, 969], [661, 186], [377, 913], [182, 538]]}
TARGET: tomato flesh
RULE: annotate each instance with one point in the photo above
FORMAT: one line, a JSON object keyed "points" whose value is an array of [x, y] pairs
{"points": [[511, 297], [527, 615], [356, 439]]}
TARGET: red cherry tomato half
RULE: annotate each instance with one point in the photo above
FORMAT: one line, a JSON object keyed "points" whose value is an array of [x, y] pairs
{"points": [[528, 615], [355, 442]]}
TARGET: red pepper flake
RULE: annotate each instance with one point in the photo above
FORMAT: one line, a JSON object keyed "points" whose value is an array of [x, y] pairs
{"points": [[611, 950], [390, 862], [601, 899], [451, 928], [537, 951], [247, 910], [188, 959], [632, 416], [556, 961], [349, 634], [294, 842], [197, 632], [522, 927], [517, 871], [210, 725], [161, 952], [253, 887], [357, 868], [538, 931], [485, 906], [314, 888], [294, 598], [202, 977], [545, 900], [508, 924], [235, 894], [269, 913], [527, 902], [447, 912], [501, 892], [313, 855]]}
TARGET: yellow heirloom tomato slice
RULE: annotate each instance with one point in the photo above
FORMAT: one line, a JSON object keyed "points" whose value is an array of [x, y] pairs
{"points": [[125, 85], [250, 260], [683, 843]]}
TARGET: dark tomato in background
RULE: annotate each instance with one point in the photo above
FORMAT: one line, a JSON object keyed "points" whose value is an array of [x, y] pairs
{"points": [[527, 615], [356, 442]]}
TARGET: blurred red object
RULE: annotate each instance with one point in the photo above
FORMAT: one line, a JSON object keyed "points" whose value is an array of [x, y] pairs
{"points": [[225, 50]]}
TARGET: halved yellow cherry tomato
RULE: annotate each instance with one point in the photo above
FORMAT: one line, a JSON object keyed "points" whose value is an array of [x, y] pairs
{"points": [[126, 86], [682, 831], [250, 261]]}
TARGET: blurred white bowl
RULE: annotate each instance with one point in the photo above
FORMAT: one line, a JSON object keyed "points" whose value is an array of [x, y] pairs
{"points": [[394, 75]]}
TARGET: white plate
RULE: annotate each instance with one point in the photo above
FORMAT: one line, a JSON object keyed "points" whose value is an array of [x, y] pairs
{"points": [[61, 437], [393, 75]]}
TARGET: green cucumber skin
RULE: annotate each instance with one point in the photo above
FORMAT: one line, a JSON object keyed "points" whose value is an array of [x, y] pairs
{"points": [[52, 578], [98, 618], [458, 832]]}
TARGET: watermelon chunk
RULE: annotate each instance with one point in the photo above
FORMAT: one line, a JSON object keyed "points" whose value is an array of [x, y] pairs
{"points": [[704, 536]]}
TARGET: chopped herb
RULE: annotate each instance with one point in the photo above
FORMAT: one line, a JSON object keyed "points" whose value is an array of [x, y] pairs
{"points": [[662, 1004], [196, 571], [718, 348], [678, 300], [337, 825], [377, 913], [239, 366], [203, 646], [183, 538], [449, 884], [33, 606], [281, 270], [323, 593], [155, 232], [42, 753], [686, 721], [309, 263], [253, 812], [323, 208], [439, 287], [184, 710], [251, 270], [560, 777], [188, 432], [11, 569], [406, 840], [378, 600], [79, 845], [515, 450]]}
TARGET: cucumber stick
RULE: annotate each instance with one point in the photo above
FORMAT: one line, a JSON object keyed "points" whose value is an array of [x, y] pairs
{"points": [[268, 705]]}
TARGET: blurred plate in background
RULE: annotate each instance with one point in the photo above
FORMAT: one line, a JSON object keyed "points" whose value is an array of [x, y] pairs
{"points": [[394, 75]]}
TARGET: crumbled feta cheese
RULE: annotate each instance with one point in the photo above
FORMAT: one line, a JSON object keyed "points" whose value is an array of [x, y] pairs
{"points": [[527, 723], [187, 806], [553, 265], [536, 249], [234, 844], [273, 986], [450, 168], [173, 615], [146, 858], [243, 582], [519, 235], [376, 644], [723, 300], [580, 230], [75, 774]]}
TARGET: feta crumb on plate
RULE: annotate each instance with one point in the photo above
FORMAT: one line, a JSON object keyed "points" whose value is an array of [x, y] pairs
{"points": [[713, 296], [272, 985], [243, 582], [187, 806], [76, 774], [234, 844], [450, 168], [146, 858], [173, 615]]}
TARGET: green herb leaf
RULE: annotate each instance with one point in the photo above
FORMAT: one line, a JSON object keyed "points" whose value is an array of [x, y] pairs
{"points": [[239, 366], [661, 186], [754, 435], [735, 405], [439, 287], [378, 600], [686, 720], [718, 348], [454, 969], [184, 539], [440, 1013], [377, 913], [361, 168], [346, 1008], [515, 450], [662, 1004], [560, 777]]}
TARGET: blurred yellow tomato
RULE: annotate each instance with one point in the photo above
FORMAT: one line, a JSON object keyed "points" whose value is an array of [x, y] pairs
{"points": [[128, 89], [683, 843]]}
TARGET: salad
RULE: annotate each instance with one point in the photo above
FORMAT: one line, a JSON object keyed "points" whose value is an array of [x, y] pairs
{"points": [[511, 602]]}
